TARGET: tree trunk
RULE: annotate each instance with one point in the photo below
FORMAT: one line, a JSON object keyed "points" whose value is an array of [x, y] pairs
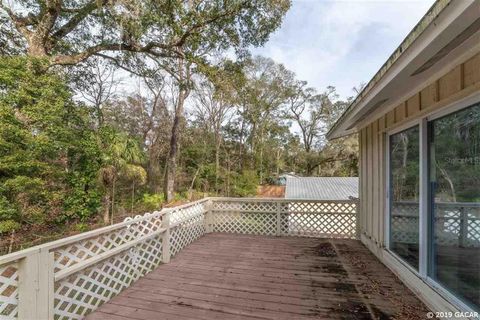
{"points": [[12, 241], [36, 47], [277, 164], [261, 162], [113, 201], [217, 160], [309, 169], [106, 208], [133, 195], [154, 171], [253, 145], [240, 147], [184, 76], [228, 178], [171, 164]]}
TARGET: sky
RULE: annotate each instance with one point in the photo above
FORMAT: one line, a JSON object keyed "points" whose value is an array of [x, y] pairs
{"points": [[341, 43]]}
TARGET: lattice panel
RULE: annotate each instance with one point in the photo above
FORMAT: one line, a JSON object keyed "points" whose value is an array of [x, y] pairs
{"points": [[186, 213], [323, 207], [76, 252], [9, 291], [405, 229], [187, 232], [241, 206], [83, 292], [320, 219], [324, 225], [297, 218], [245, 222], [447, 230], [473, 235], [449, 218], [405, 208]]}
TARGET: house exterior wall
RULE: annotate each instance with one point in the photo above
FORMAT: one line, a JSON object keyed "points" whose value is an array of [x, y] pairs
{"points": [[460, 82]]}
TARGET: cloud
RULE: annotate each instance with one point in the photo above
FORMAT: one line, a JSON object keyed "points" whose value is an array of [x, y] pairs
{"points": [[341, 43]]}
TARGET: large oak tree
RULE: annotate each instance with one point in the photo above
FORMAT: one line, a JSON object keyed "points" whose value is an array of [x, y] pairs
{"points": [[69, 31]]}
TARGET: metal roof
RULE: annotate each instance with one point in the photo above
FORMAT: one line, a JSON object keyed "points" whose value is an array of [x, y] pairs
{"points": [[321, 188]]}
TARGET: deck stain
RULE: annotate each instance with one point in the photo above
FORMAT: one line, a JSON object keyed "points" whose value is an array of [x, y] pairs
{"points": [[325, 249]]}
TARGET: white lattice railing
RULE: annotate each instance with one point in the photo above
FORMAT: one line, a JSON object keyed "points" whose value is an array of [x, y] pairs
{"points": [[332, 219], [455, 223], [69, 278]]}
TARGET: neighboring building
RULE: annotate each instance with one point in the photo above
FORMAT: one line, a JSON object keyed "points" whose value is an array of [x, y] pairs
{"points": [[321, 188], [418, 121]]}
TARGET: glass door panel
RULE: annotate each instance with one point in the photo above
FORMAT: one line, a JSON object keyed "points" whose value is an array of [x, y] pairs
{"points": [[404, 195], [454, 165]]}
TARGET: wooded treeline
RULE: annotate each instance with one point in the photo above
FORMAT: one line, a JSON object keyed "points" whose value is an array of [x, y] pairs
{"points": [[113, 107]]}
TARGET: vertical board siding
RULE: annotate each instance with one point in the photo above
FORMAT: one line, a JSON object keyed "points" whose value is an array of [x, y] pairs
{"points": [[360, 217], [375, 177], [364, 178], [413, 105], [471, 71], [428, 96], [390, 118], [450, 83], [370, 180], [372, 141], [400, 112], [381, 184]]}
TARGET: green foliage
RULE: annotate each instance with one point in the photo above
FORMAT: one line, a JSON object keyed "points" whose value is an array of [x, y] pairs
{"points": [[7, 210], [246, 184], [47, 151], [83, 201], [7, 226], [181, 196], [152, 201], [135, 27], [135, 174], [82, 227]]}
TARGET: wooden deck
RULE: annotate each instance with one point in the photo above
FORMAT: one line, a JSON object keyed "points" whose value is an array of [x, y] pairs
{"points": [[225, 276]]}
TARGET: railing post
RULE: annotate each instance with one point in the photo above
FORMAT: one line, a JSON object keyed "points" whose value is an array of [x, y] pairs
{"points": [[36, 286], [166, 238], [279, 219], [209, 217]]}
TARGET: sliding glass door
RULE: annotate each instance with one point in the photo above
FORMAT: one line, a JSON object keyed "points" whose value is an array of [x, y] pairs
{"points": [[404, 195], [454, 170]]}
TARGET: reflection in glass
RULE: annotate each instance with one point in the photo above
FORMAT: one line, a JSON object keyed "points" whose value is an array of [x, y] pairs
{"points": [[404, 194], [455, 195]]}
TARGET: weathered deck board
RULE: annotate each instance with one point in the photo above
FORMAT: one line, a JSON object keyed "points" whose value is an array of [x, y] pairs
{"points": [[224, 276]]}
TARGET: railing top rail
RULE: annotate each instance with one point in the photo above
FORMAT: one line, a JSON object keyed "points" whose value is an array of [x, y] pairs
{"points": [[284, 200], [186, 205]]}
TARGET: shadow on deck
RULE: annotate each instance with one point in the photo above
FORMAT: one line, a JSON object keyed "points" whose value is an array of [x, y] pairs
{"points": [[226, 276]]}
